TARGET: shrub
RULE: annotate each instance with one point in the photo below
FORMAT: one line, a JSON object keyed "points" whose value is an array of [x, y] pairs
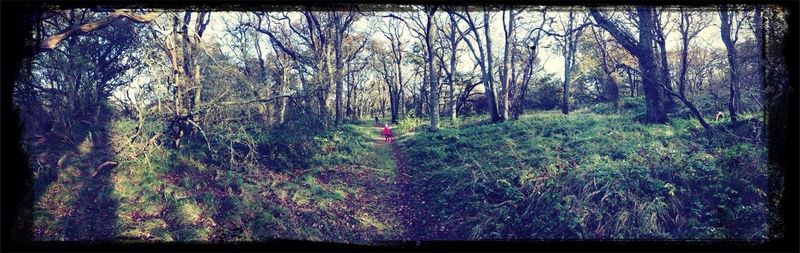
{"points": [[409, 124]]}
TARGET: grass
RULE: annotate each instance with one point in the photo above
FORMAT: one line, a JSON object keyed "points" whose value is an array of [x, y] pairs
{"points": [[589, 176], [331, 186]]}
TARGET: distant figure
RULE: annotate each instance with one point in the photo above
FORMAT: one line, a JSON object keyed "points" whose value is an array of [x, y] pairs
{"points": [[387, 132], [719, 116], [377, 122]]}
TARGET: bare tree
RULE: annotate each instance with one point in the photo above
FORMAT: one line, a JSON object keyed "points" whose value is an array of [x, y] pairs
{"points": [[568, 42], [612, 80], [483, 57], [182, 51], [729, 31], [393, 32], [454, 38], [532, 39], [688, 32], [434, 80], [661, 41]]}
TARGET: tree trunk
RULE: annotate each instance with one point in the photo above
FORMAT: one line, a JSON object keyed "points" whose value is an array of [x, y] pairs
{"points": [[434, 91], [759, 34], [643, 50], [453, 51], [684, 31], [490, 90], [565, 86], [337, 46], [725, 31], [504, 75], [669, 103], [651, 83]]}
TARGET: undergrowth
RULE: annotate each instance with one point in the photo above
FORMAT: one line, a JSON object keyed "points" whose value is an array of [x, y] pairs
{"points": [[591, 176], [298, 186]]}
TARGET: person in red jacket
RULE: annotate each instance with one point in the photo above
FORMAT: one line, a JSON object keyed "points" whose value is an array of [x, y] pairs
{"points": [[387, 132]]}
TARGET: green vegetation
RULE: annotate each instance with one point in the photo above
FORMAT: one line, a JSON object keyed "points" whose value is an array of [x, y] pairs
{"points": [[334, 186], [545, 176], [148, 126], [590, 176]]}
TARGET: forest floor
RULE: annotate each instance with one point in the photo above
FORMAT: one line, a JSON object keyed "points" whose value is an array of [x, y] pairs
{"points": [[545, 176], [387, 188], [398, 207]]}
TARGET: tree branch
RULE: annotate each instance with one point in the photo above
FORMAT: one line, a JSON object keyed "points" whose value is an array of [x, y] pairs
{"points": [[51, 42]]}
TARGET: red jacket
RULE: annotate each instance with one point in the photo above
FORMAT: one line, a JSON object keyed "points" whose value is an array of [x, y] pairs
{"points": [[387, 131]]}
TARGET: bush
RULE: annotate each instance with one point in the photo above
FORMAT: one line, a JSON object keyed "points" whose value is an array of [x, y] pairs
{"points": [[409, 124]]}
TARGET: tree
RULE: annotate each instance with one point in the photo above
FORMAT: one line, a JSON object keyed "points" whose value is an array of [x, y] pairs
{"points": [[729, 31], [642, 49], [528, 55], [424, 31], [434, 81], [568, 42], [505, 79], [482, 57], [67, 88], [393, 32], [341, 24], [186, 72], [661, 41], [611, 78], [454, 38], [687, 33]]}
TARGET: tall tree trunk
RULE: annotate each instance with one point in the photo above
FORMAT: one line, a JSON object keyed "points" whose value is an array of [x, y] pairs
{"points": [[453, 51], [489, 84], [651, 83], [337, 46], [506, 55], [399, 102], [570, 47], [565, 85], [759, 33], [684, 30], [669, 103], [434, 91], [725, 31]]}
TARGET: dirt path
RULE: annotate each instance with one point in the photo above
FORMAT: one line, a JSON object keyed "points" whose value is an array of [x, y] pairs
{"points": [[400, 196], [407, 199]]}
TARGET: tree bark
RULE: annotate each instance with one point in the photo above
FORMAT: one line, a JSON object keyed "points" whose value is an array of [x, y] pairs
{"points": [[337, 76], [489, 84], [433, 88], [504, 80], [453, 51]]}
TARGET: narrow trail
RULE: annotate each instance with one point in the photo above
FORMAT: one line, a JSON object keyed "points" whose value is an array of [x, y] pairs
{"points": [[400, 195]]}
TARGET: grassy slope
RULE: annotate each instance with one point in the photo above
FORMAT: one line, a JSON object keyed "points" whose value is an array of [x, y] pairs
{"points": [[544, 176], [341, 191], [588, 176]]}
